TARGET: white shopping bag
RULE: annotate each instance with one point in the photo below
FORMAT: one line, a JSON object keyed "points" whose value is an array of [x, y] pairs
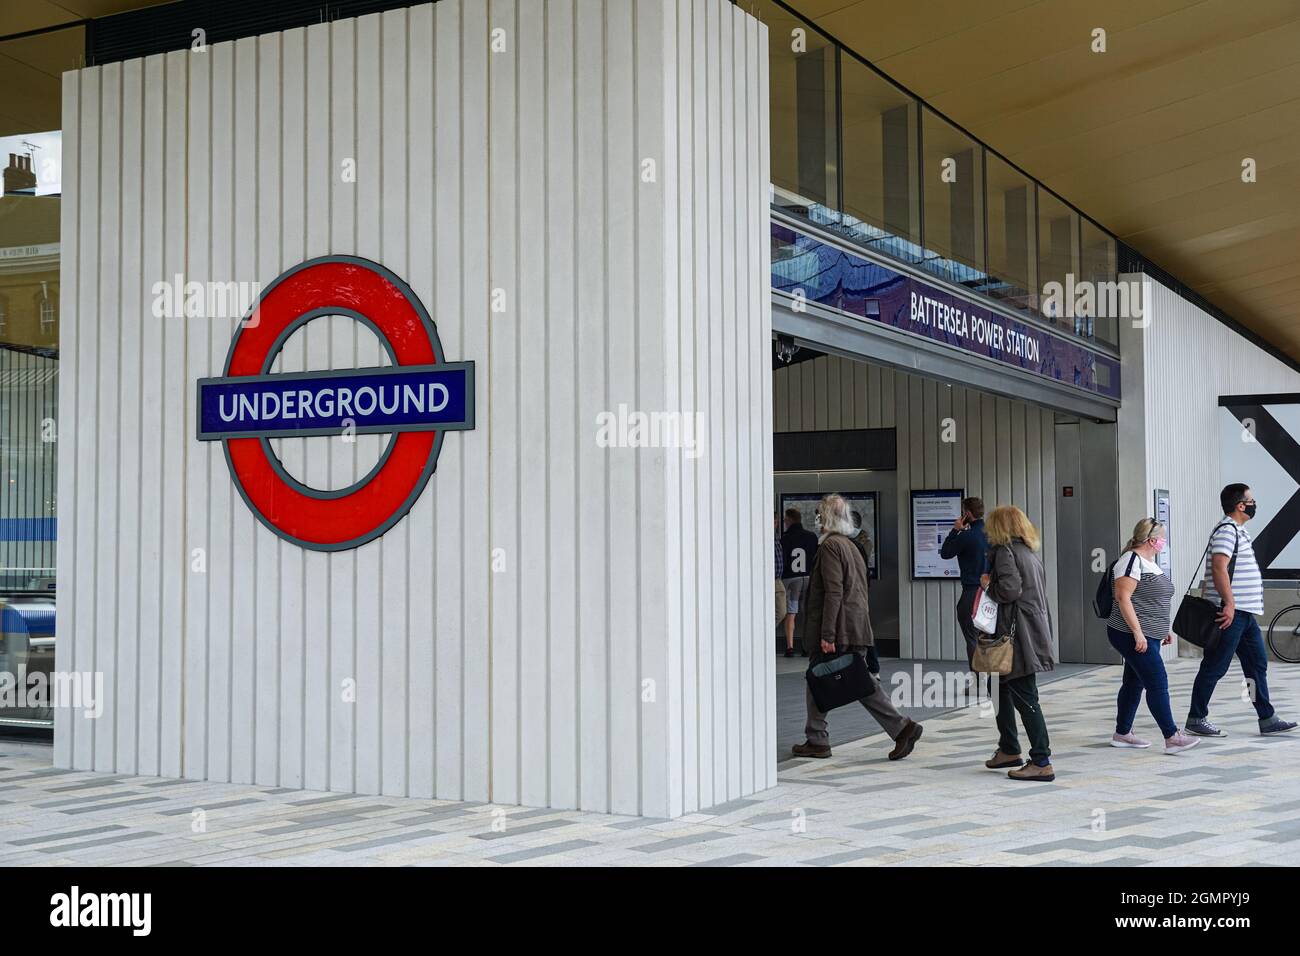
{"points": [[984, 613]]}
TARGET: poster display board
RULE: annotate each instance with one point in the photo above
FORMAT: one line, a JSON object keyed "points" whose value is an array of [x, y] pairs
{"points": [[862, 505], [1161, 514], [933, 512]]}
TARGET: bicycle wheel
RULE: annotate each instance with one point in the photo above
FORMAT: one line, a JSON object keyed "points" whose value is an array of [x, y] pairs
{"points": [[1284, 634]]}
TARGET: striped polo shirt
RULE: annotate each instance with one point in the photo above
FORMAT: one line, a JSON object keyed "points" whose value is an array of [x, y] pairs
{"points": [[1247, 582], [1151, 599]]}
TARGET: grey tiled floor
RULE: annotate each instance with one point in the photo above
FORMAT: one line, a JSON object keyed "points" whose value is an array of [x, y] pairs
{"points": [[1227, 802], [853, 723]]}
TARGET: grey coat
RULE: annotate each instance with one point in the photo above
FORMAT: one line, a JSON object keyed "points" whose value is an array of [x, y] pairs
{"points": [[1017, 575]]}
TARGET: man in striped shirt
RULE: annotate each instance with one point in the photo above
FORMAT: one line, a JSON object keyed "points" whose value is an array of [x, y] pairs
{"points": [[1235, 582]]}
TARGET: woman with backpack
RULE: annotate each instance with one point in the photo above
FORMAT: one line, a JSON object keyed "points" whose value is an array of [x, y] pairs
{"points": [[1137, 626]]}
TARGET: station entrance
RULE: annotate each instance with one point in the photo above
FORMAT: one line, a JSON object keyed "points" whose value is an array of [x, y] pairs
{"points": [[903, 446]]}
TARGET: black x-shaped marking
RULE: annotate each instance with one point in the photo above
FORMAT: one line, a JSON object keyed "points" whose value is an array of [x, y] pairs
{"points": [[1283, 449]]}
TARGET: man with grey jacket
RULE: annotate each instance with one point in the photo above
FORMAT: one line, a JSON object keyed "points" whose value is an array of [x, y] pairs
{"points": [[836, 619]]}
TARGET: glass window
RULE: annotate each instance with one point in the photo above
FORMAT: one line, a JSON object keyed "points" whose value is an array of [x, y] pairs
{"points": [[805, 144], [953, 190], [1058, 262], [1101, 269], [1012, 269], [30, 186], [881, 190]]}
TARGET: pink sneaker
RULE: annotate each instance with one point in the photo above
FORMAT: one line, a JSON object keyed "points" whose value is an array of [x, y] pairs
{"points": [[1129, 739], [1179, 742]]}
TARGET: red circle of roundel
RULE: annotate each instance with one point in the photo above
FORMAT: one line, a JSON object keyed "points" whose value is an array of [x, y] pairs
{"points": [[370, 509]]}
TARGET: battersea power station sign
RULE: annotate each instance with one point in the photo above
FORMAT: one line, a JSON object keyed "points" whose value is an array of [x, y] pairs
{"points": [[982, 328], [417, 398], [829, 274]]}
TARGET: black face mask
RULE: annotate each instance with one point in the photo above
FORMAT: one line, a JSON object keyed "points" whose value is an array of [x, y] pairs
{"points": [[1250, 511]]}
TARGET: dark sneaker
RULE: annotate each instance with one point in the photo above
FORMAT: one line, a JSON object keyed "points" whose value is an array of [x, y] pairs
{"points": [[789, 652], [1031, 771], [1202, 728], [1276, 725], [811, 750], [906, 740], [999, 760]]}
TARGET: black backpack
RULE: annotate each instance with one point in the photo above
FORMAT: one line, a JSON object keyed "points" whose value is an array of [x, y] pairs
{"points": [[1104, 602]]}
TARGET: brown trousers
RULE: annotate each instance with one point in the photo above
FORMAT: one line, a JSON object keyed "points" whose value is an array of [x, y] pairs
{"points": [[878, 705]]}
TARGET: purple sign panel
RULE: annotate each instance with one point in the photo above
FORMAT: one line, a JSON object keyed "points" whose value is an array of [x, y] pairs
{"points": [[831, 276]]}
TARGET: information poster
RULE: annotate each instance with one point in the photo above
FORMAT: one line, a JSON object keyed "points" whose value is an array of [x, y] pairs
{"points": [[933, 513], [862, 507], [1161, 514]]}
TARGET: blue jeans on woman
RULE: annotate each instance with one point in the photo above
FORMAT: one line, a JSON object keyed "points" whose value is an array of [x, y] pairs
{"points": [[1145, 671]]}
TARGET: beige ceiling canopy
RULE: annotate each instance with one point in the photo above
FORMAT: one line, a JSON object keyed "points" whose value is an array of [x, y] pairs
{"points": [[32, 64], [1149, 137]]}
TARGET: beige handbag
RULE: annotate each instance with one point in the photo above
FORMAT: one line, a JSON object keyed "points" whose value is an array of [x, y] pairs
{"points": [[994, 652]]}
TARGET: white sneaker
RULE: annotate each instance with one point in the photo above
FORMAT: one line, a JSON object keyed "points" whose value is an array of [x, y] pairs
{"points": [[1179, 742], [1129, 739]]}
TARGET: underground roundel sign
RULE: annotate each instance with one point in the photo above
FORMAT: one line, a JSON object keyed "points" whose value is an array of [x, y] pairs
{"points": [[417, 398]]}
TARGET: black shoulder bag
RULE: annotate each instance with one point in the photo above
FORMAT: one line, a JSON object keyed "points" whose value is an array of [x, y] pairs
{"points": [[1196, 621], [838, 679]]}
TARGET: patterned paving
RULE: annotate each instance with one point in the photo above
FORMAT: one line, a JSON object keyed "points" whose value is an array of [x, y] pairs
{"points": [[1230, 802]]}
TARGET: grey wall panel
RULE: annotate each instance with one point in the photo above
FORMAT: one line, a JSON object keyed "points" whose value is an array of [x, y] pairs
{"points": [[554, 622]]}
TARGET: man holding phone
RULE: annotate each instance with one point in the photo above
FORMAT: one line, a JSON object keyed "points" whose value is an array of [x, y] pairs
{"points": [[968, 544]]}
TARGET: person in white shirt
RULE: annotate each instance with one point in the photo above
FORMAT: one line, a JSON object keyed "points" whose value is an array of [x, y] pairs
{"points": [[1233, 579], [1138, 625]]}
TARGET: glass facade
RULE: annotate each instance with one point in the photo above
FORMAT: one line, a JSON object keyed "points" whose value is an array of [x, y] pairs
{"points": [[953, 188], [1058, 256], [1013, 266], [854, 153], [30, 150], [805, 131], [882, 199], [1100, 266]]}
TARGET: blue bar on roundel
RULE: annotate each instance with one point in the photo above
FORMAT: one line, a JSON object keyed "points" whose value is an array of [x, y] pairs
{"points": [[302, 404]]}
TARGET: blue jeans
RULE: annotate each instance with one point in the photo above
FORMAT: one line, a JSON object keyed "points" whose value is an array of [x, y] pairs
{"points": [[1145, 671], [1242, 638]]}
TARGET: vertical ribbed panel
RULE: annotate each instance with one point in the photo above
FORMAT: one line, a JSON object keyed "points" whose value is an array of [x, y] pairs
{"points": [[554, 622], [1004, 452], [715, 284]]}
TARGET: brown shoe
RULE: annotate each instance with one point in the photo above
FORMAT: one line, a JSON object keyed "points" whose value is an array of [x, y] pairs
{"points": [[906, 740], [1031, 771], [1000, 760], [811, 750]]}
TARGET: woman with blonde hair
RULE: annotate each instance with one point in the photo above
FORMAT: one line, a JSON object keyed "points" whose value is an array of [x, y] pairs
{"points": [[1138, 625], [1018, 583]]}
